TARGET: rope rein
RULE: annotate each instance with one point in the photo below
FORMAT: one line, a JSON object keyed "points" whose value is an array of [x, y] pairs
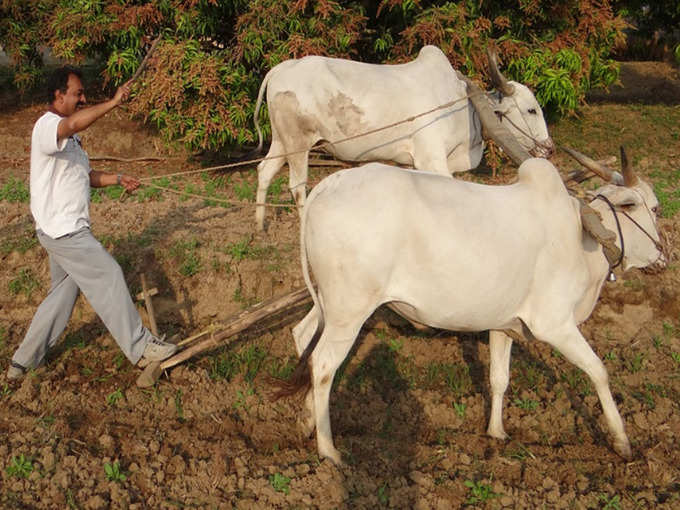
{"points": [[618, 227], [325, 144], [657, 244]]}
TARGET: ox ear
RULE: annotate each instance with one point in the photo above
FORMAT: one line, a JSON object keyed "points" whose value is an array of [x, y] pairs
{"points": [[497, 79], [620, 196]]}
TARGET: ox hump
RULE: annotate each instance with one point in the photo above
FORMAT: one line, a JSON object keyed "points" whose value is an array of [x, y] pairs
{"points": [[542, 176]]}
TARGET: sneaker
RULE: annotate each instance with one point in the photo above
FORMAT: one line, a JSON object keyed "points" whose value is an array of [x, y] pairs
{"points": [[15, 372], [157, 350]]}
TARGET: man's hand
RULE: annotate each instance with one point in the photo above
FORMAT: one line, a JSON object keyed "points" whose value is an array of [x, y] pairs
{"points": [[122, 93], [129, 183], [102, 179]]}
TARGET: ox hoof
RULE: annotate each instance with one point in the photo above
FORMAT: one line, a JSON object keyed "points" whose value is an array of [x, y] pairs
{"points": [[622, 447], [333, 455], [497, 433]]}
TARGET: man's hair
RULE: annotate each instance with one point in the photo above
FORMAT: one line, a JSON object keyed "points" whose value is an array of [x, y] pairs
{"points": [[58, 80]]}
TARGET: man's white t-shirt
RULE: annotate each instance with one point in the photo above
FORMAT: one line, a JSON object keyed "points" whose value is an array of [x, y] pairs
{"points": [[60, 180]]}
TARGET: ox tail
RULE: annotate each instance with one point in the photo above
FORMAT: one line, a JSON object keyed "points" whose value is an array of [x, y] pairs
{"points": [[256, 116], [300, 379]]}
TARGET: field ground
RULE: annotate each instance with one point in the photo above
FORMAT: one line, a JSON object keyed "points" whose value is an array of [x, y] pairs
{"points": [[409, 410]]}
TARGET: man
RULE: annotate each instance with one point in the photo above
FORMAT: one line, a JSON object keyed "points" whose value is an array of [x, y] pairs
{"points": [[60, 193]]}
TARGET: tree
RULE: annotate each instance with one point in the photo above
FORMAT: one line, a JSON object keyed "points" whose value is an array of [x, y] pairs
{"points": [[202, 81]]}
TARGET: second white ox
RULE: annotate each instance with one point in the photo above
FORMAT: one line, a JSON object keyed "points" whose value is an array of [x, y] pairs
{"points": [[318, 98], [465, 257]]}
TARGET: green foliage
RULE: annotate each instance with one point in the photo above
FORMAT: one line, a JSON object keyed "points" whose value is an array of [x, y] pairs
{"points": [[479, 492], [14, 190], [560, 80], [21, 243], [280, 483], [113, 398], [229, 364], [201, 83], [114, 473], [526, 403], [611, 503], [185, 253], [25, 282], [20, 467], [245, 191]]}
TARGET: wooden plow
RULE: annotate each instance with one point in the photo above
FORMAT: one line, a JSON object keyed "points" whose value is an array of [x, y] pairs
{"points": [[218, 333]]}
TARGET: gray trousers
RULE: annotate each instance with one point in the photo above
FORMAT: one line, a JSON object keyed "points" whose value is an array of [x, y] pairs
{"points": [[78, 262]]}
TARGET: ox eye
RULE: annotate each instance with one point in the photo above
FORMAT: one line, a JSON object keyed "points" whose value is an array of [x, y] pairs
{"points": [[532, 111]]}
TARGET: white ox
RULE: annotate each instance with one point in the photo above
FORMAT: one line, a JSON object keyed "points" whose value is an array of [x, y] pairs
{"points": [[319, 98], [460, 256]]}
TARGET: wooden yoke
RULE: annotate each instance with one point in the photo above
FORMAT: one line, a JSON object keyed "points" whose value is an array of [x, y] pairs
{"points": [[493, 129]]}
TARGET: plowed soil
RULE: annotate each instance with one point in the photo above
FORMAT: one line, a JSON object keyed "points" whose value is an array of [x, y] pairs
{"points": [[409, 409]]}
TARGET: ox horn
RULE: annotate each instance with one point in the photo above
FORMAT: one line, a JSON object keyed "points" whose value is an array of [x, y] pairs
{"points": [[497, 79], [629, 177], [597, 168]]}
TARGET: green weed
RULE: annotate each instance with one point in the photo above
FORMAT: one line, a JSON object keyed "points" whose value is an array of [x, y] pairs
{"points": [[457, 378], [178, 405], [526, 403], [382, 494], [668, 329], [20, 467], [189, 189], [210, 190], [124, 261], [241, 399], [14, 191], [282, 369], [70, 500], [114, 473], [25, 282], [479, 492], [611, 503], [276, 186], [675, 356], [245, 191], [520, 453], [247, 361], [280, 483], [668, 193], [239, 250], [74, 341], [635, 364], [114, 192], [395, 344], [113, 398], [119, 360], [151, 192], [528, 374], [185, 253], [46, 421], [577, 381], [459, 407], [21, 244], [646, 398]]}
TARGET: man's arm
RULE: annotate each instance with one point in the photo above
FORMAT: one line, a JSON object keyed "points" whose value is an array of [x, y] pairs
{"points": [[103, 179], [82, 119]]}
